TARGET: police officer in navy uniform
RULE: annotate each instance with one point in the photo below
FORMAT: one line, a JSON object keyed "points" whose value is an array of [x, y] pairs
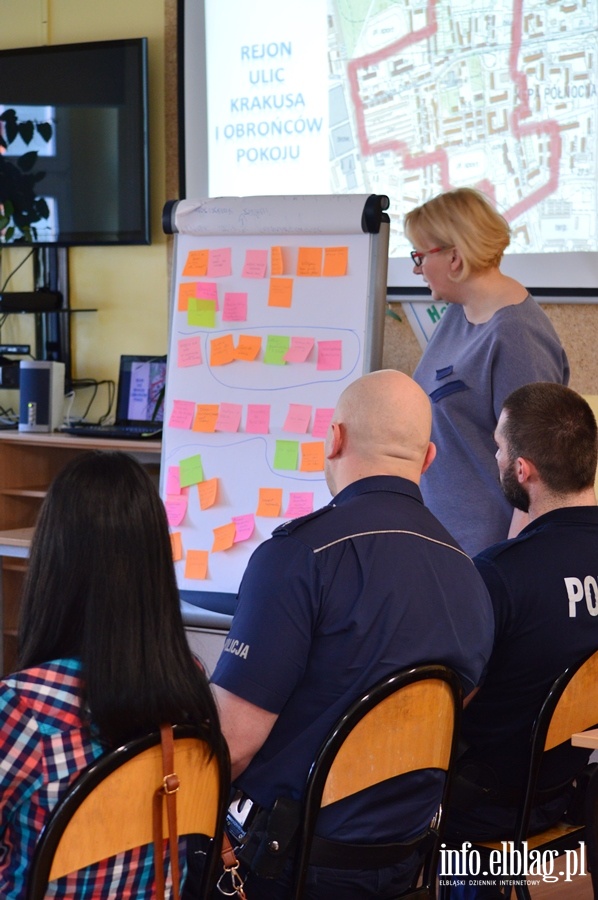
{"points": [[330, 604]]}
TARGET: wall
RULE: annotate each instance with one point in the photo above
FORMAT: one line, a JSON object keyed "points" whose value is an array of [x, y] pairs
{"points": [[127, 285]]}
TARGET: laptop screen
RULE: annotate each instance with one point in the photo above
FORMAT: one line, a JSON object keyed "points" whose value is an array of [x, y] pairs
{"points": [[140, 398]]}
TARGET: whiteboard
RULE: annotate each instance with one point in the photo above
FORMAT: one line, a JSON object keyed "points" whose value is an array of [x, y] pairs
{"points": [[299, 279]]}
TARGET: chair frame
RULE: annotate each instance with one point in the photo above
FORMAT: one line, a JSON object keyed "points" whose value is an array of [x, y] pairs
{"points": [[326, 756], [106, 765]]}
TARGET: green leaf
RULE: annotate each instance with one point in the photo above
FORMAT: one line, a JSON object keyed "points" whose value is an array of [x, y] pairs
{"points": [[26, 131], [44, 129], [27, 161]]}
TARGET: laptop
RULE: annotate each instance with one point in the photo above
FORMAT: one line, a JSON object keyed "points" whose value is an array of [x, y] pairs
{"points": [[139, 401]]}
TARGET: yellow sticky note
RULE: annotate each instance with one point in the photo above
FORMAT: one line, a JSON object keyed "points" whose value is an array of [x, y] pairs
{"points": [[224, 537], [270, 502], [276, 261], [222, 350], [309, 261], [281, 292], [191, 470], [208, 491], [197, 263], [312, 457], [205, 417], [336, 260], [196, 564], [177, 545]]}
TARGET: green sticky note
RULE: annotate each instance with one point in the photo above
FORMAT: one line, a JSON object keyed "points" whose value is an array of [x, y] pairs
{"points": [[201, 313], [286, 455], [191, 470], [276, 347]]}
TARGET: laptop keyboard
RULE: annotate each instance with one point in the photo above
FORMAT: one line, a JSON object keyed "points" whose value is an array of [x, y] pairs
{"points": [[132, 432]]}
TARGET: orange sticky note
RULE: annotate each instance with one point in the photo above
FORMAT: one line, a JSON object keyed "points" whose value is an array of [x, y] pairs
{"points": [[281, 292], [186, 289], [224, 537], [196, 564], [248, 347], [276, 261], [176, 543], [222, 350], [309, 261], [336, 260], [206, 415], [312, 457], [208, 491], [270, 502], [197, 263]]}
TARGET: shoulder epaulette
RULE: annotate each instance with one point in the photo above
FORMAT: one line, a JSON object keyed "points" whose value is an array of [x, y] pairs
{"points": [[293, 524]]}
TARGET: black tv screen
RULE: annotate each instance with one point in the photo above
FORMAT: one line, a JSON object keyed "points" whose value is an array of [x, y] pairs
{"points": [[86, 167]]}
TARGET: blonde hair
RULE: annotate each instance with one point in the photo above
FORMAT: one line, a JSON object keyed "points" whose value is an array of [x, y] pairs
{"points": [[463, 218]]}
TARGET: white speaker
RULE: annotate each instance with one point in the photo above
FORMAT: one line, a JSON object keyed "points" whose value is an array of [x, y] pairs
{"points": [[41, 397]]}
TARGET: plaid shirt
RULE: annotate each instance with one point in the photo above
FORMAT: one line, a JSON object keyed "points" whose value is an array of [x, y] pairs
{"points": [[44, 744]]}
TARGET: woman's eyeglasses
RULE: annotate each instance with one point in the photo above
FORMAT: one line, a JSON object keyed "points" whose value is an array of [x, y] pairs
{"points": [[418, 257]]}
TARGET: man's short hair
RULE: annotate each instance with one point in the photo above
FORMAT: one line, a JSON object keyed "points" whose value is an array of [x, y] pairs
{"points": [[555, 428]]}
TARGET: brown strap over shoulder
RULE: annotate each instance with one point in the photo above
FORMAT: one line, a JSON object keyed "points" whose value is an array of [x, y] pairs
{"points": [[168, 791]]}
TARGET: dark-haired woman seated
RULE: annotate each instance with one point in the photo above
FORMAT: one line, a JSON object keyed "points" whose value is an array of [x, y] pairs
{"points": [[103, 658]]}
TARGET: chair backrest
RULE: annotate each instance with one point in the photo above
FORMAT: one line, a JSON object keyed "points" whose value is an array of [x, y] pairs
{"points": [[571, 706], [407, 721], [108, 808]]}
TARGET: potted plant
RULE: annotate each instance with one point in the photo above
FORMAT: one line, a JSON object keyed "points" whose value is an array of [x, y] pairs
{"points": [[20, 206]]}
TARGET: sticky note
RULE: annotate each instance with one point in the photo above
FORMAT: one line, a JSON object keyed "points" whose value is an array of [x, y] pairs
{"points": [[286, 454], [182, 414], [229, 417], [208, 492], [224, 537], [173, 480], [299, 350], [188, 352], [276, 261], [176, 543], [312, 457], [276, 348], [248, 347], [222, 350], [269, 502], [207, 290], [309, 261], [329, 355], [235, 307], [256, 262], [301, 503], [196, 565], [322, 419], [336, 260], [298, 417], [186, 289], [219, 264], [281, 292], [206, 415], [191, 470], [201, 313], [176, 507], [197, 263], [244, 526], [258, 418]]}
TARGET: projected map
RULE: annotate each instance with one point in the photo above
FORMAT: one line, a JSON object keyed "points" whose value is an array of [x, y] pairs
{"points": [[426, 95]]}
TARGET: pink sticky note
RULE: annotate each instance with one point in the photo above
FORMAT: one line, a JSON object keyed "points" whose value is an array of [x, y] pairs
{"points": [[297, 418], [176, 507], [244, 526], [322, 419], [258, 418], [329, 355], [299, 350], [173, 481], [301, 503], [189, 352], [229, 417], [219, 263], [182, 414], [235, 307], [206, 290], [255, 264]]}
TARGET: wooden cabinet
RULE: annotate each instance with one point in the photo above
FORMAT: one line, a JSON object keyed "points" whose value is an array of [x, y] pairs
{"points": [[28, 463]]}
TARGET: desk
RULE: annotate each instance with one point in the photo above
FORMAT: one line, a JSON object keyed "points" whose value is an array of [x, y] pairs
{"points": [[28, 463], [586, 739]]}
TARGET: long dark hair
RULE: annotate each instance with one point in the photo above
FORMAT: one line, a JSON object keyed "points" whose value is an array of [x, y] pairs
{"points": [[101, 587]]}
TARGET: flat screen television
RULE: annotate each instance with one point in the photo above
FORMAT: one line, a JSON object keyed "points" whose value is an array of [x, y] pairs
{"points": [[88, 104]]}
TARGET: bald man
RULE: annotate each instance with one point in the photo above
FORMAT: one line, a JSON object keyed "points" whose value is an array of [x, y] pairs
{"points": [[330, 604]]}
